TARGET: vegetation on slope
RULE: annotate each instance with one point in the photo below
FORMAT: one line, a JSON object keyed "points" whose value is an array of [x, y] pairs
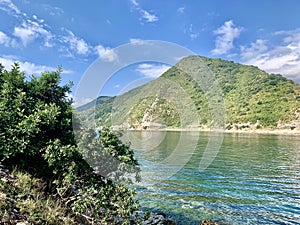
{"points": [[250, 96]]}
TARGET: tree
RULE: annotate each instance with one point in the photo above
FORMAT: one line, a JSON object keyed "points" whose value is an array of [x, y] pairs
{"points": [[36, 135]]}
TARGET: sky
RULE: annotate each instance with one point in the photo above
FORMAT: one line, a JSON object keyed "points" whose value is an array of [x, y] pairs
{"points": [[42, 35]]}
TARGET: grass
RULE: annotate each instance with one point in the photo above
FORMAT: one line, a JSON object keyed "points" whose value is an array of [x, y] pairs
{"points": [[23, 198]]}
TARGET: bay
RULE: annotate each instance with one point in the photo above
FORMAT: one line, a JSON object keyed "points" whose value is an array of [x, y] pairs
{"points": [[254, 178]]}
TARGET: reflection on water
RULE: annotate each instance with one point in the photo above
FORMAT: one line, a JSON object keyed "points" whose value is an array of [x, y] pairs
{"points": [[255, 179]]}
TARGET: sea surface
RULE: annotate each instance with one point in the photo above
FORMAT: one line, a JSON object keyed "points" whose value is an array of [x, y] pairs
{"points": [[234, 178]]}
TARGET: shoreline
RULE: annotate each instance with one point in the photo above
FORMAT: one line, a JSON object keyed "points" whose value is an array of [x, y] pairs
{"points": [[285, 132], [268, 131]]}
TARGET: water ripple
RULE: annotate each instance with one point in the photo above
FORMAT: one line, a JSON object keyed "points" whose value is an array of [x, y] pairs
{"points": [[253, 180]]}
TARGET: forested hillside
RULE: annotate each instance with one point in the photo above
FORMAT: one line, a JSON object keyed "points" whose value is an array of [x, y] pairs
{"points": [[251, 97]]}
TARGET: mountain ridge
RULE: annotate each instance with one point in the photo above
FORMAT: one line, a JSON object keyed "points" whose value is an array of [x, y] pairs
{"points": [[252, 98]]}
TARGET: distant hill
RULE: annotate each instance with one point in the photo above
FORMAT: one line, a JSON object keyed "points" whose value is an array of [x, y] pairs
{"points": [[91, 104], [252, 98]]}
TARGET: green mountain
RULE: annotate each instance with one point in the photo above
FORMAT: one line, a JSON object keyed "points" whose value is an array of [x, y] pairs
{"points": [[190, 93], [91, 104]]}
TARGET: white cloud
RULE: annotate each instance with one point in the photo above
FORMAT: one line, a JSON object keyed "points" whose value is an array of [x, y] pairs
{"points": [[273, 62], [134, 2], [37, 19], [106, 54], [145, 15], [152, 70], [254, 50], [226, 34], [4, 39], [181, 9], [26, 35], [29, 67], [193, 35], [148, 16], [283, 58], [30, 30], [9, 7], [77, 45], [136, 41], [53, 10], [74, 45], [82, 47]]}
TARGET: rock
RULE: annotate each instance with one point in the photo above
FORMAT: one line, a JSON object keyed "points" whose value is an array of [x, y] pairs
{"points": [[209, 222], [15, 210], [158, 219], [3, 179], [2, 196], [205, 222], [155, 219]]}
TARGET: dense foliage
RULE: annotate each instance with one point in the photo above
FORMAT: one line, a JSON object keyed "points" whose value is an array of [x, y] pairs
{"points": [[36, 136]]}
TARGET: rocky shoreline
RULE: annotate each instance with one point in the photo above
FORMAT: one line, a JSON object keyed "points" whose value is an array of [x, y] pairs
{"points": [[11, 215], [158, 219], [161, 219], [292, 132]]}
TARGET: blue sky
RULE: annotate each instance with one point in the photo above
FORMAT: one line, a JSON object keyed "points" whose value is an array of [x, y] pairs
{"points": [[41, 35]]}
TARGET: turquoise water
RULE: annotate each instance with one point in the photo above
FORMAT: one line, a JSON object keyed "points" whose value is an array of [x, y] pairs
{"points": [[254, 179]]}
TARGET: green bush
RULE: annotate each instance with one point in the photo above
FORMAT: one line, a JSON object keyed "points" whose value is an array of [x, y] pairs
{"points": [[36, 135]]}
